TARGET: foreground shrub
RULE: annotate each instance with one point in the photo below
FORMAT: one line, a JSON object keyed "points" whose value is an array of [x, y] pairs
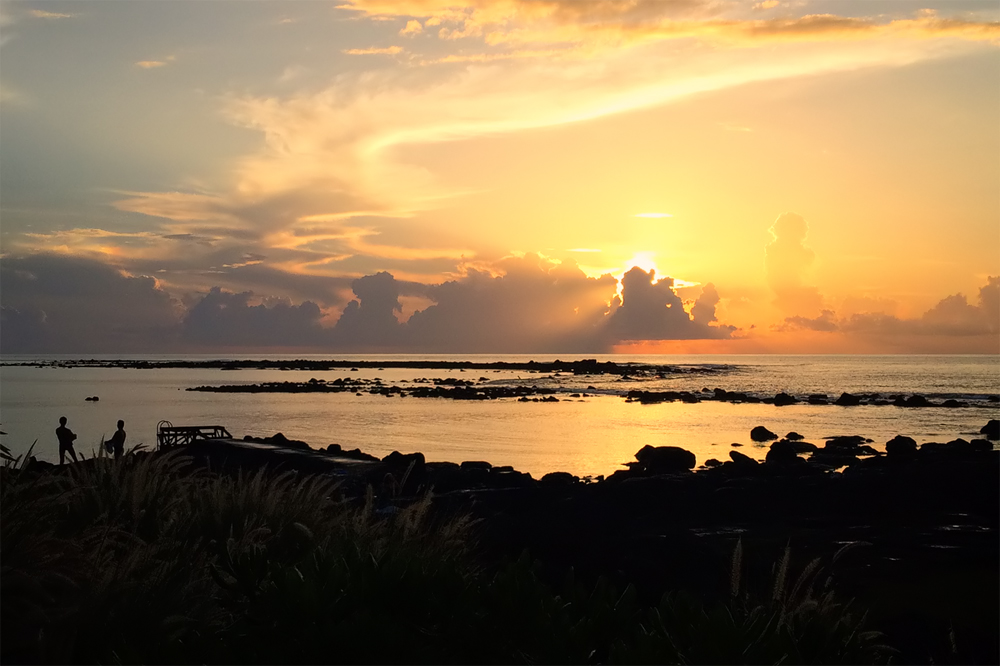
{"points": [[146, 559]]}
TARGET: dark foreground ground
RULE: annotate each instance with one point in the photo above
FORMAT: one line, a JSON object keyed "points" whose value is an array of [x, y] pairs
{"points": [[925, 523]]}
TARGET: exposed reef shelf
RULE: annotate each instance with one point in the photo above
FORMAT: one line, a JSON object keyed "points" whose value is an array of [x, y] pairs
{"points": [[455, 389], [581, 367], [784, 399], [459, 389]]}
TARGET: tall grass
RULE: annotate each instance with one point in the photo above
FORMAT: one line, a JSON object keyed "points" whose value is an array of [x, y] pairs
{"points": [[148, 559]]}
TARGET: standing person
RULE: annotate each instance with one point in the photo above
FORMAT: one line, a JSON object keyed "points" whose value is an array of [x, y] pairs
{"points": [[117, 441], [65, 437]]}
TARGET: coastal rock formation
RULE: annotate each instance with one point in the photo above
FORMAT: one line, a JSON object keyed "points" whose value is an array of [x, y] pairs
{"points": [[991, 429]]}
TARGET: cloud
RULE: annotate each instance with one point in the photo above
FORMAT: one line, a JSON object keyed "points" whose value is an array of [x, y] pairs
{"points": [[62, 303], [606, 25], [787, 260], [826, 322], [952, 320], [42, 14], [151, 64], [227, 320], [651, 310], [412, 27], [389, 50], [370, 320]]}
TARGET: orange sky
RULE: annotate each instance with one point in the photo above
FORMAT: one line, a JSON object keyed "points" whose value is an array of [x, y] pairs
{"points": [[828, 168]]}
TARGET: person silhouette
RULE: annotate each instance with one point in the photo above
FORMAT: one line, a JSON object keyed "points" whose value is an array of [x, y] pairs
{"points": [[117, 441], [65, 437]]}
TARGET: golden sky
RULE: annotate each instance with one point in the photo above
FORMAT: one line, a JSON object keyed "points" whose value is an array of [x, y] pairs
{"points": [[805, 177]]}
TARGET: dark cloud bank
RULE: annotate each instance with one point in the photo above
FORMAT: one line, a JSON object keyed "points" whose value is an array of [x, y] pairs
{"points": [[54, 303], [59, 304]]}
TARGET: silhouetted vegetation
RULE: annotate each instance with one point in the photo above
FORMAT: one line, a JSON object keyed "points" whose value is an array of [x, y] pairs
{"points": [[148, 559]]}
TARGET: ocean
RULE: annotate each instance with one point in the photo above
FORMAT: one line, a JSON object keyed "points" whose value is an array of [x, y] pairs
{"points": [[586, 436]]}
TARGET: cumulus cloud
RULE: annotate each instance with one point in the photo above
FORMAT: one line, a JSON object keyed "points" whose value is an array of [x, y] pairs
{"points": [[226, 320], [412, 28], [61, 303], [370, 320], [952, 321], [650, 309], [787, 260]]}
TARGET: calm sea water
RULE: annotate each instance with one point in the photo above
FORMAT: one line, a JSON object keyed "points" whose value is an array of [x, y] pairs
{"points": [[586, 436]]}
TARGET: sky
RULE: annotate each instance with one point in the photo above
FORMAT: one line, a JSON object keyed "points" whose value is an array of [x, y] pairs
{"points": [[500, 176]]}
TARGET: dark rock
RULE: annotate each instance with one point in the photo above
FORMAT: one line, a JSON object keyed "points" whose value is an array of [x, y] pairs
{"points": [[92, 398], [917, 400], [783, 399], [712, 462], [334, 448], [736, 444], [558, 479], [782, 451], [743, 461], [475, 464], [797, 445], [664, 459], [762, 434], [818, 399], [407, 471], [991, 429], [901, 446], [848, 400], [954, 403], [794, 436], [844, 442]]}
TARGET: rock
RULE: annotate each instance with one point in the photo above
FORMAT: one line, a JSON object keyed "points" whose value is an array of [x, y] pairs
{"points": [[334, 448], [279, 439], [408, 470], [844, 442], [953, 403], [782, 451], [981, 445], [743, 461], [818, 399], [794, 436], [92, 398], [735, 444], [558, 479], [799, 446], [991, 429], [712, 462], [901, 446], [664, 459], [848, 400], [783, 399], [914, 400], [475, 464], [762, 434]]}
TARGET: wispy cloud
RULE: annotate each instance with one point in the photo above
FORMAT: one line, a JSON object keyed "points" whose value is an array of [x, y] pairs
{"points": [[42, 14], [389, 50], [151, 64]]}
